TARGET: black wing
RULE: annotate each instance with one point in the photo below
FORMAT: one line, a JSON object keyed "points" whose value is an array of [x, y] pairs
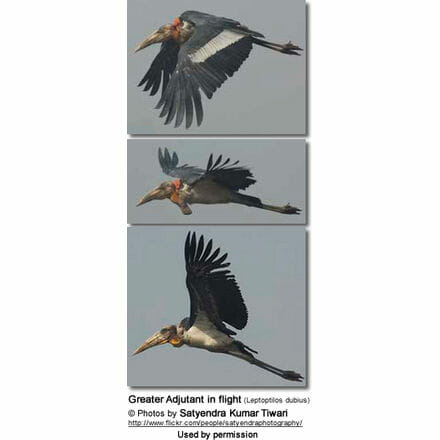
{"points": [[213, 53], [161, 68], [212, 289], [169, 166], [229, 175]]}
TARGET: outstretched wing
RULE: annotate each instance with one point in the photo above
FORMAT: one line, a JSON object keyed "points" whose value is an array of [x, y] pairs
{"points": [[229, 175], [169, 166], [214, 52], [161, 68], [212, 288]]}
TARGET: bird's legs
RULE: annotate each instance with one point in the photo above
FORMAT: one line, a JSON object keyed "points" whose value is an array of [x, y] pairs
{"points": [[285, 374], [244, 354], [244, 199], [286, 209], [288, 48]]}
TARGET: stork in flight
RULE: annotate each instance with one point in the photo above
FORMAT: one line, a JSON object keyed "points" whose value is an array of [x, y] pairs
{"points": [[219, 183], [199, 52], [216, 300]]}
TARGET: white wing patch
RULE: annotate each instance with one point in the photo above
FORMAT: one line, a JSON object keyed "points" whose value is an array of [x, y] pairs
{"points": [[221, 41]]}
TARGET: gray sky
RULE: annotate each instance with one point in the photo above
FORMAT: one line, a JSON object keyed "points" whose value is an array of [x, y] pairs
{"points": [[266, 96], [270, 268], [277, 164]]}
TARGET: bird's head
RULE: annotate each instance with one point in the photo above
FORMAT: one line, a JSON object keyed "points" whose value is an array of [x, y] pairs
{"points": [[164, 33], [164, 191], [167, 334]]}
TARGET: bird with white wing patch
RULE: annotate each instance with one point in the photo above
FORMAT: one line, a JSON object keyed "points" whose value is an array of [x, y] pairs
{"points": [[199, 53]]}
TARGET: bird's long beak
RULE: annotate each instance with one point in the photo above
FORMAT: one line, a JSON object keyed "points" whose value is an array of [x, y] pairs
{"points": [[157, 339], [152, 195], [155, 37]]}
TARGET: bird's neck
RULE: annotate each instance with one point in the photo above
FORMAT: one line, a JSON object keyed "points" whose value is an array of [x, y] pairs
{"points": [[177, 183], [176, 342], [182, 33], [178, 339]]}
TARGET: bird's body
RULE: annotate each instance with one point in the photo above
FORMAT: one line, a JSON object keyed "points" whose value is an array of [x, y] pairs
{"points": [[216, 300], [203, 334], [220, 183], [206, 192], [199, 53]]}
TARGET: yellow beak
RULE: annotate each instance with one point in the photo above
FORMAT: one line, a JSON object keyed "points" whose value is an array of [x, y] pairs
{"points": [[152, 195], [155, 37], [157, 339]]}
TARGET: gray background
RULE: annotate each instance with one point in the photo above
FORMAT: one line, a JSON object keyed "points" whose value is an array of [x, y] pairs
{"points": [[269, 265], [266, 96], [279, 166]]}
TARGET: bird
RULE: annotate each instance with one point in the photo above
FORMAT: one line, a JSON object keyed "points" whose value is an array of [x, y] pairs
{"points": [[219, 183], [215, 300], [199, 52]]}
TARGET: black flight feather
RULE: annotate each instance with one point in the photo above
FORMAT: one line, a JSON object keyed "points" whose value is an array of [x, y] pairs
{"points": [[212, 290]]}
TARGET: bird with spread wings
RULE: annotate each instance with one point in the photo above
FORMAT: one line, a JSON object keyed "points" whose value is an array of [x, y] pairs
{"points": [[220, 183], [199, 52], [215, 300]]}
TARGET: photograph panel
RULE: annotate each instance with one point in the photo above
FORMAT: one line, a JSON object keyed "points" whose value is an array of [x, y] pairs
{"points": [[177, 181], [186, 302], [217, 68]]}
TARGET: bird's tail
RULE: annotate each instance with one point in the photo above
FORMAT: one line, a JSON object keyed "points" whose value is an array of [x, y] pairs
{"points": [[288, 48], [244, 199]]}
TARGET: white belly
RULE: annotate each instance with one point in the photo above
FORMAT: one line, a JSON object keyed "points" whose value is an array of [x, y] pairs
{"points": [[203, 334]]}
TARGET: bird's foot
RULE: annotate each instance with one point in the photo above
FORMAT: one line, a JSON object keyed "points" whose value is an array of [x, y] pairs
{"points": [[290, 48], [291, 375], [288, 209]]}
